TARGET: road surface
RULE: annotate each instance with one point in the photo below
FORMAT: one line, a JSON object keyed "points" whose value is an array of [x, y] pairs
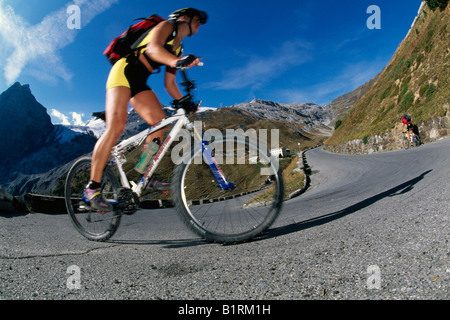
{"points": [[370, 227]]}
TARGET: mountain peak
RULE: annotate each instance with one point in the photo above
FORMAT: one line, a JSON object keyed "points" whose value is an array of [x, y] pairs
{"points": [[18, 86], [265, 102], [16, 89], [24, 122], [308, 114]]}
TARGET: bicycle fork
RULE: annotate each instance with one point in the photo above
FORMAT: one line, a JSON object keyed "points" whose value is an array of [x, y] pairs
{"points": [[210, 160], [215, 168]]}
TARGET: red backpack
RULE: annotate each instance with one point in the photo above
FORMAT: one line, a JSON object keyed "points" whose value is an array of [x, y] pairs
{"points": [[126, 43]]}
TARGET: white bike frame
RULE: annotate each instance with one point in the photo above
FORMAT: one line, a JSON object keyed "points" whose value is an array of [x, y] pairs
{"points": [[118, 152]]}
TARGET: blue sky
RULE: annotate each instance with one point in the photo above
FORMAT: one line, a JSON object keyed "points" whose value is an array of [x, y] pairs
{"points": [[284, 51]]}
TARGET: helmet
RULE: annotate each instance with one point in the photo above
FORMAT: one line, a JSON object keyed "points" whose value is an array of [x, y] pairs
{"points": [[190, 12]]}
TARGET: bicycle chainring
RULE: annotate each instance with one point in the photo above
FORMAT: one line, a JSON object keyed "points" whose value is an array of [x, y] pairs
{"points": [[127, 201]]}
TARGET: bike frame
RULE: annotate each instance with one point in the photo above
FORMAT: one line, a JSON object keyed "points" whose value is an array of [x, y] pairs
{"points": [[180, 121], [118, 152]]}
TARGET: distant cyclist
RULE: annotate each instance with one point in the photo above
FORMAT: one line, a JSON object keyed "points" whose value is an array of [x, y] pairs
{"points": [[406, 121], [127, 83]]}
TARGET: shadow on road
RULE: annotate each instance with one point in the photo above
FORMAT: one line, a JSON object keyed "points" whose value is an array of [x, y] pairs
{"points": [[284, 230], [400, 189], [169, 244]]}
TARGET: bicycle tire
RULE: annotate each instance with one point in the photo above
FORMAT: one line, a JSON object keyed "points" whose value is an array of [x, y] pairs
{"points": [[405, 143], [417, 141], [228, 216], [89, 222]]}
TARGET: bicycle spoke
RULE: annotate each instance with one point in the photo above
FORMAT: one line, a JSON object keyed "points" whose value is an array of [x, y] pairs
{"points": [[91, 223], [231, 215]]}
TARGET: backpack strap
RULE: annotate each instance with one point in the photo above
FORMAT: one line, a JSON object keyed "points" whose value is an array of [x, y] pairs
{"points": [[143, 58], [136, 46]]}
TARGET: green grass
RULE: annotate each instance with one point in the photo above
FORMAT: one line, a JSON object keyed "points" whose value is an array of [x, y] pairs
{"points": [[293, 180]]}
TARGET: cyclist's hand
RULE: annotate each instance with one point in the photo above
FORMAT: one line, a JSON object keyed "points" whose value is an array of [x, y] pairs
{"points": [[188, 62], [187, 104]]}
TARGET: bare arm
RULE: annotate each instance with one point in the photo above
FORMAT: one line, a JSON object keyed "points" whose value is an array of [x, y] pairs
{"points": [[155, 48], [170, 83]]}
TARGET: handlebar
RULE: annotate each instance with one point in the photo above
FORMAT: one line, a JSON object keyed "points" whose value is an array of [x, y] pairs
{"points": [[187, 102], [187, 84]]}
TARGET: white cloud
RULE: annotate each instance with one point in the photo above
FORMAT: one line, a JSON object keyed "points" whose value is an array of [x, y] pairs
{"points": [[77, 118], [38, 46], [73, 118], [62, 119]]}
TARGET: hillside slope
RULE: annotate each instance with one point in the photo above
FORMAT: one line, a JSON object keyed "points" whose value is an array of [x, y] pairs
{"points": [[343, 104], [290, 132], [416, 82]]}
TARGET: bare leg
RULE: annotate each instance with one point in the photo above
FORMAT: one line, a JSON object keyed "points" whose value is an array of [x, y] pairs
{"points": [[116, 116], [147, 105]]}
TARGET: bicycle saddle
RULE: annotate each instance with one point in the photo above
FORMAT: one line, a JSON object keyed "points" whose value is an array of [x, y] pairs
{"points": [[100, 115]]}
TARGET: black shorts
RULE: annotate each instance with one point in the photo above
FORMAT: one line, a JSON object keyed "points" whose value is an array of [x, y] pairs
{"points": [[130, 73]]}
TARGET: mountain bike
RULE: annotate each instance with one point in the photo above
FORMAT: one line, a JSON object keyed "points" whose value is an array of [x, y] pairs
{"points": [[413, 140], [226, 189]]}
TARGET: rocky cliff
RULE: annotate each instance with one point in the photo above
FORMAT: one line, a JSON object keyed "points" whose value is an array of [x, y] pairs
{"points": [[30, 144], [24, 124]]}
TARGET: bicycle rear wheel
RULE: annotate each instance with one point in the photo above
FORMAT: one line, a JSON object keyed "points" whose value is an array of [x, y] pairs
{"points": [[243, 210], [92, 224]]}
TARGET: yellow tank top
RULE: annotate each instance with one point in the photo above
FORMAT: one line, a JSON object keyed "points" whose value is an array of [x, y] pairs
{"points": [[168, 46]]}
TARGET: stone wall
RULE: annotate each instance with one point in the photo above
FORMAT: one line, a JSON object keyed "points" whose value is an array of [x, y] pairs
{"points": [[430, 131]]}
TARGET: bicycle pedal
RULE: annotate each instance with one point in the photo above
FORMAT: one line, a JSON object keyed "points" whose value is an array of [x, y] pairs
{"points": [[84, 205]]}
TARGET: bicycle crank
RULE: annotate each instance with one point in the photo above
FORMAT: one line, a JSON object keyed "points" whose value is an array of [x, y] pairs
{"points": [[127, 201]]}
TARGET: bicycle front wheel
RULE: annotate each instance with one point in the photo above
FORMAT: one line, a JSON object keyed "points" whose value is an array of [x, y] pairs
{"points": [[92, 224], [237, 209], [405, 143]]}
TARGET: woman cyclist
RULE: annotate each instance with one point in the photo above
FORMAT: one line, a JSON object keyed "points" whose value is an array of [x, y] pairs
{"points": [[127, 83]]}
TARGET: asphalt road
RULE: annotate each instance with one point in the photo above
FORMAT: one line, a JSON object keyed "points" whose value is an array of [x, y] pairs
{"points": [[370, 227]]}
